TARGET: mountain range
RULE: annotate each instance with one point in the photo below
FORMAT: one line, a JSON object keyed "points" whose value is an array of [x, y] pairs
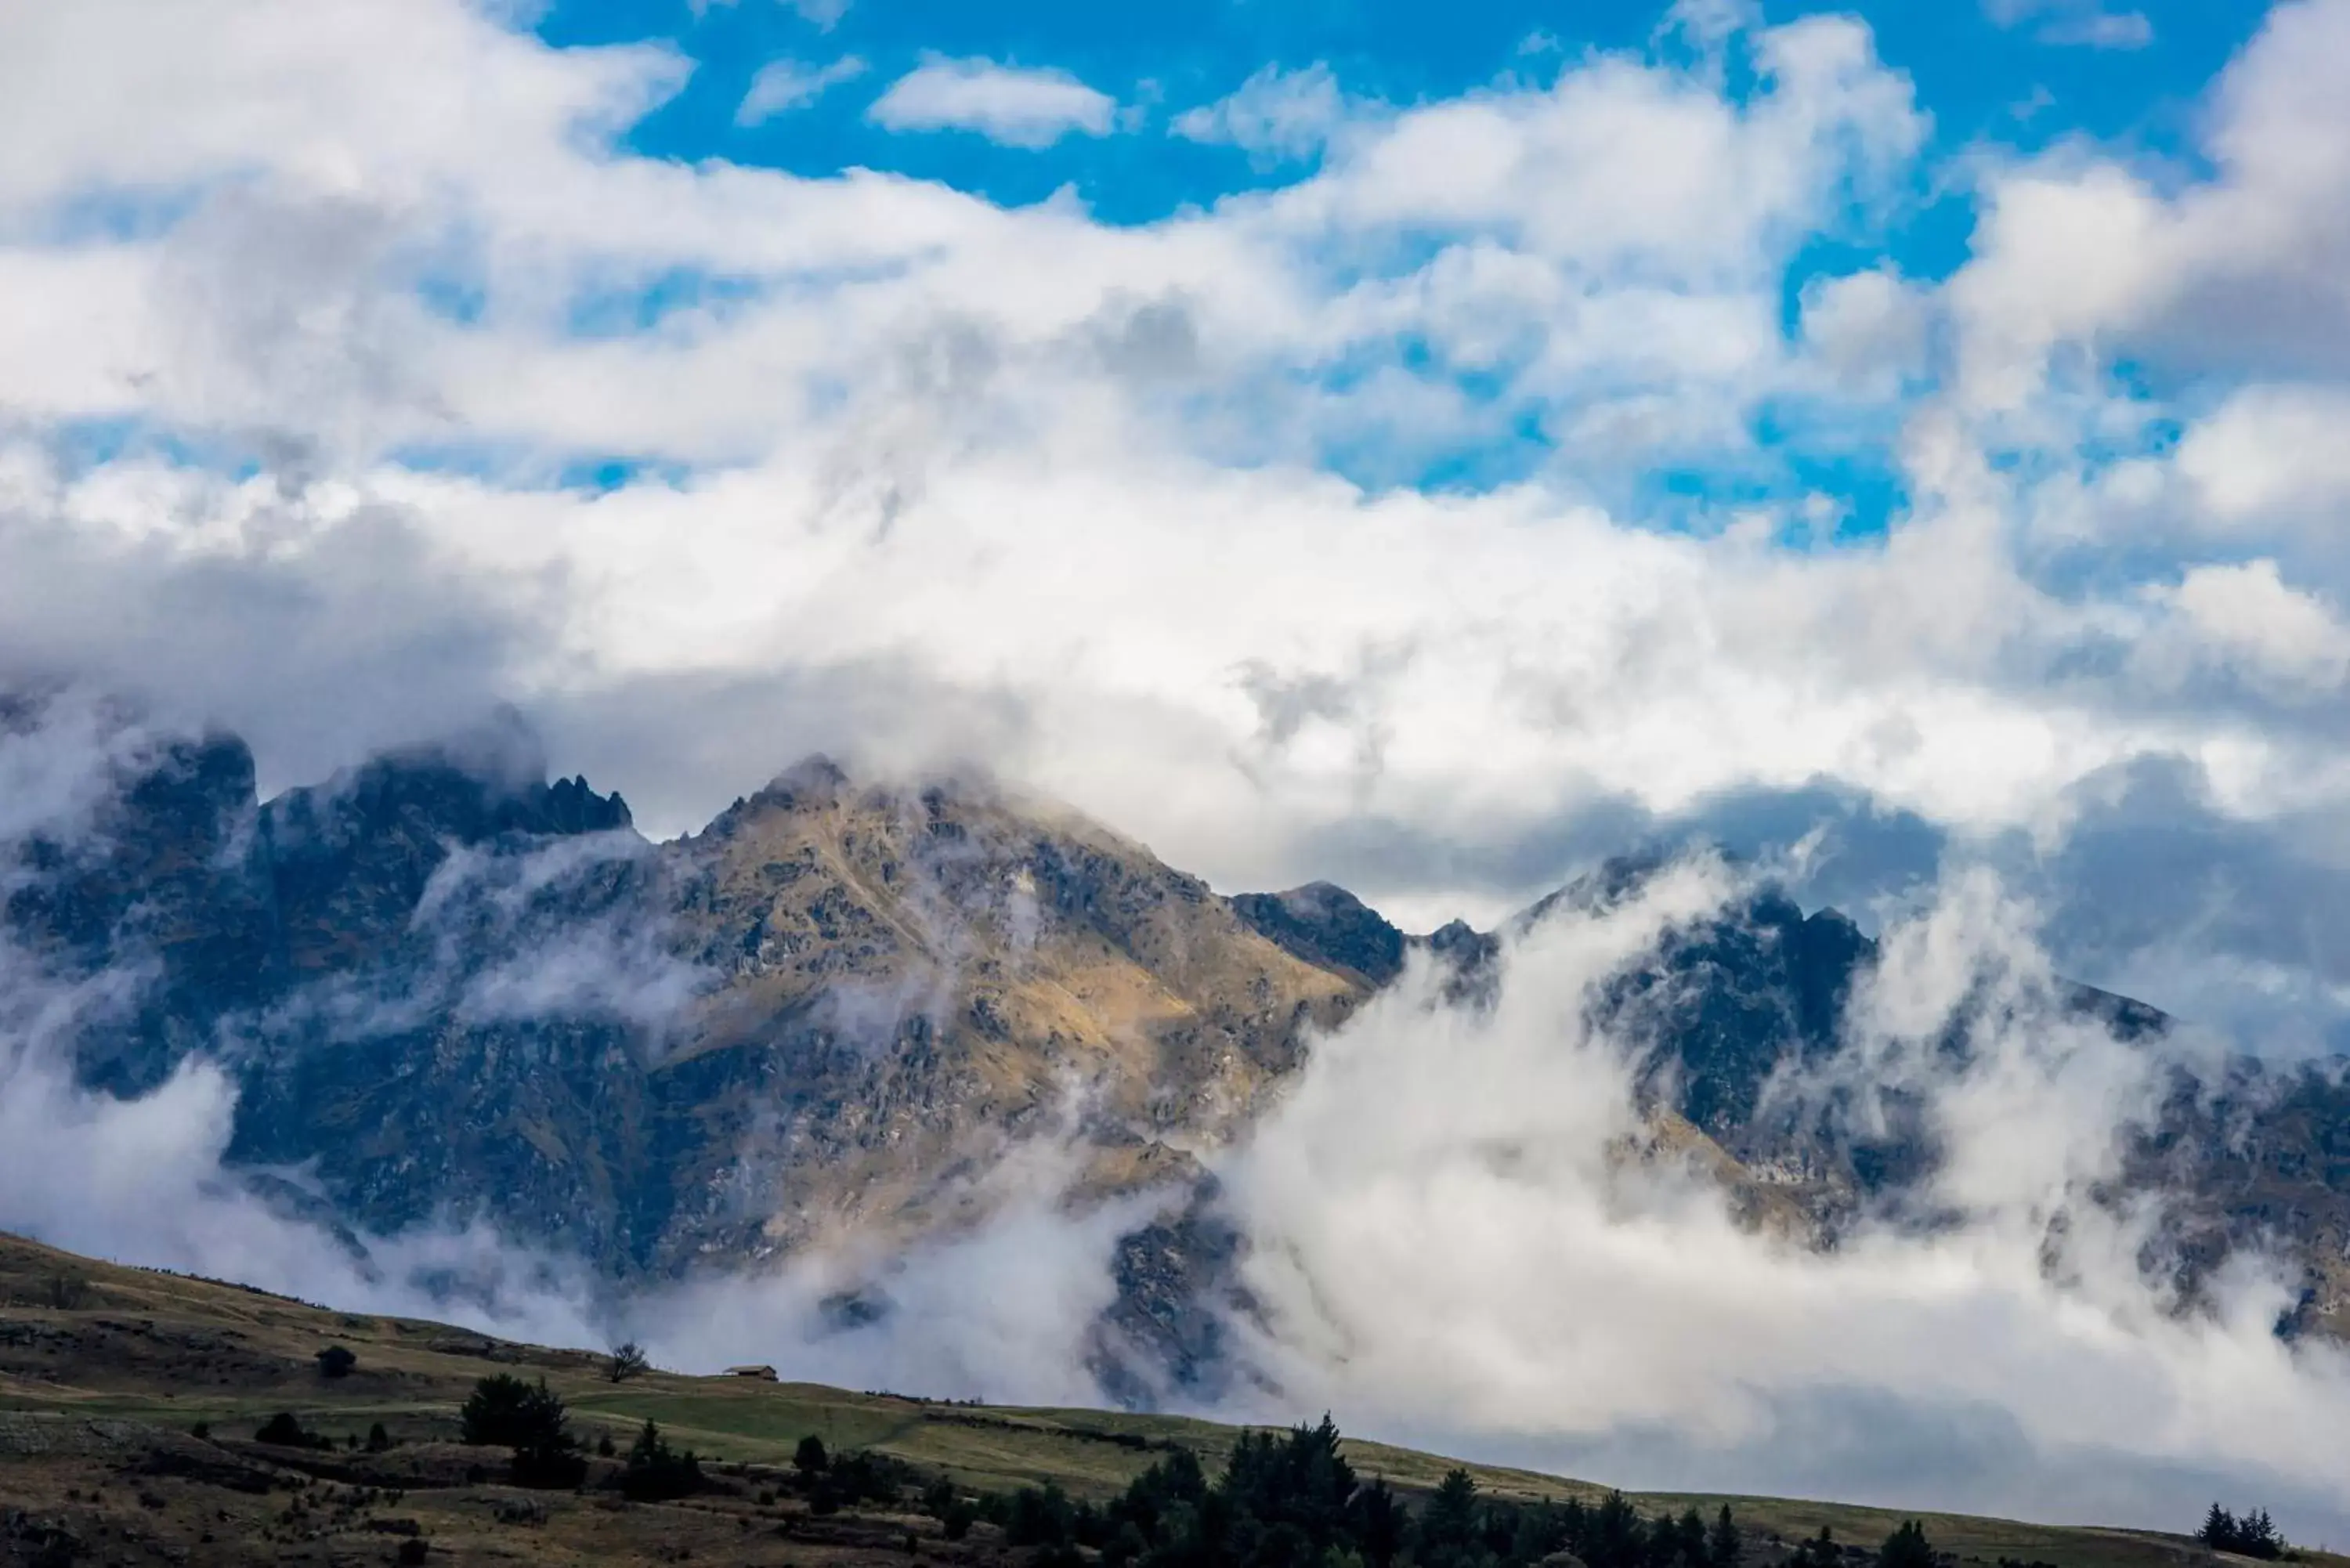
{"points": [[448, 987]]}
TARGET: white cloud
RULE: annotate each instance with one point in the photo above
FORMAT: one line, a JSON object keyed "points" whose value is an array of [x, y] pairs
{"points": [[1274, 114], [2247, 613], [2076, 22], [2240, 271], [1867, 326], [782, 86], [2271, 459], [823, 13], [1006, 104], [1120, 439], [1460, 1227]]}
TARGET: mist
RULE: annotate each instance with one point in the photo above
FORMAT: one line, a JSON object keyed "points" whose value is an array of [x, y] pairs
{"points": [[1465, 1229]]}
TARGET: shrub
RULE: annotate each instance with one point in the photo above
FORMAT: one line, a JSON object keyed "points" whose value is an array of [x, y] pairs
{"points": [[1039, 1516], [505, 1412], [657, 1472], [378, 1439], [284, 1431], [335, 1360], [810, 1457]]}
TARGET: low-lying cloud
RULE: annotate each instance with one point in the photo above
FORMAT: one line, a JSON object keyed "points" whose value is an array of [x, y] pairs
{"points": [[1462, 1230]]}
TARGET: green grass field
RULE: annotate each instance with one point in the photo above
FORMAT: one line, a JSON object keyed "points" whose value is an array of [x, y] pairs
{"points": [[172, 1351]]}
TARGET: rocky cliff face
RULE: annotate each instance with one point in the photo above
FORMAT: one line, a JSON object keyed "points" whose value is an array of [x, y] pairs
{"points": [[449, 988]]}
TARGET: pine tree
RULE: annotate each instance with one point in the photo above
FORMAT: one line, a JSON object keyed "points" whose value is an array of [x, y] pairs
{"points": [[1450, 1517], [1722, 1547], [2256, 1536], [1906, 1548]]}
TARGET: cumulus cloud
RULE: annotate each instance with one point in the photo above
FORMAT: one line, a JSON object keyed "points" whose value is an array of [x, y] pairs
{"points": [[1123, 438], [2247, 613], [1017, 106], [1274, 114], [782, 86], [2233, 271], [1867, 326]]}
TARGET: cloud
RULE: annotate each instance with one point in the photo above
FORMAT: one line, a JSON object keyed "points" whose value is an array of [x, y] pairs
{"points": [[1008, 105], [1275, 115], [823, 14], [2075, 22], [2269, 459], [2224, 273], [1459, 1226], [1869, 327], [1462, 1229], [2247, 613], [782, 86]]}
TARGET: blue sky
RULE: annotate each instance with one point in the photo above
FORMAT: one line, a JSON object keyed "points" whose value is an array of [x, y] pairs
{"points": [[1982, 80], [2016, 76]]}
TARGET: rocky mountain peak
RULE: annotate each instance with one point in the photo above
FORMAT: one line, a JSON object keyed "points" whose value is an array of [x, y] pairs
{"points": [[457, 987]]}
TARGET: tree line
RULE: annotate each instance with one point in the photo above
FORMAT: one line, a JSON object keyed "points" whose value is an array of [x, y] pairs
{"points": [[1293, 1500], [2251, 1536], [1281, 1500]]}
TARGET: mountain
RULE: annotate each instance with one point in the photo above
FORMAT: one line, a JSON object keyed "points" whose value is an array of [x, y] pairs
{"points": [[448, 987]]}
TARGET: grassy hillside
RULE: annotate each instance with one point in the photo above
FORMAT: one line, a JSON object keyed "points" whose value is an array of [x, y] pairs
{"points": [[104, 1370]]}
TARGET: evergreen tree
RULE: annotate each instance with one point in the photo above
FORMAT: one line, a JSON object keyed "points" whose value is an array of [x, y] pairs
{"points": [[1906, 1547], [658, 1473], [1683, 1541], [503, 1412], [1722, 1547], [2256, 1536], [1449, 1521]]}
